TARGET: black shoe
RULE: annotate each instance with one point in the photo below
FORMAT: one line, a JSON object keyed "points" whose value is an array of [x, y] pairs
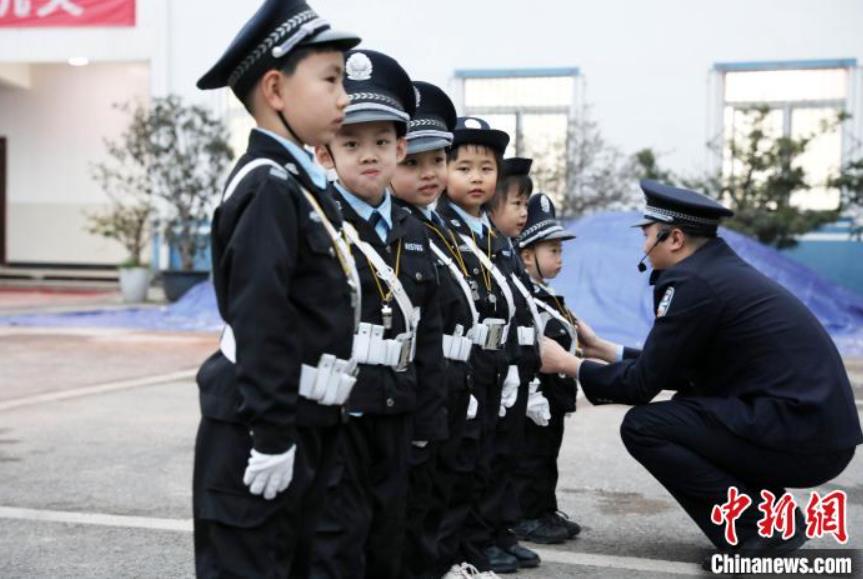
{"points": [[500, 561], [562, 519], [527, 559], [543, 531], [759, 546]]}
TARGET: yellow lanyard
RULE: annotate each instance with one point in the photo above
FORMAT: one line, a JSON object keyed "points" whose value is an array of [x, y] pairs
{"points": [[453, 248], [563, 311], [342, 258], [385, 297], [486, 274]]}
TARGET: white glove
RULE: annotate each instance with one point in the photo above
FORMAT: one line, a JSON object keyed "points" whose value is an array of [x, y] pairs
{"points": [[420, 443], [538, 409], [472, 407], [269, 474], [509, 394]]}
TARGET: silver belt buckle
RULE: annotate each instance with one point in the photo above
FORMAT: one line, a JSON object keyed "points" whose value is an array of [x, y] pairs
{"points": [[406, 342], [495, 334]]}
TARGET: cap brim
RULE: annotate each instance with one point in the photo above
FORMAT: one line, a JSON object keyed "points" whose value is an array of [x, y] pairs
{"points": [[371, 116], [560, 235], [339, 39], [423, 144], [645, 222]]}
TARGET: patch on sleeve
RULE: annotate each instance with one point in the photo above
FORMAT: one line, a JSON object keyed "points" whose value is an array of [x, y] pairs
{"points": [[665, 303]]}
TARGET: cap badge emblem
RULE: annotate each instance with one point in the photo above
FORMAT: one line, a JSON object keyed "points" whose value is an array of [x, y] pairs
{"points": [[359, 67]]}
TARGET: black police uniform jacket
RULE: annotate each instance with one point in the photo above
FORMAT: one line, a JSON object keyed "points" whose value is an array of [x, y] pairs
{"points": [[742, 348], [509, 263], [489, 366], [281, 288], [454, 307], [559, 390], [420, 388]]}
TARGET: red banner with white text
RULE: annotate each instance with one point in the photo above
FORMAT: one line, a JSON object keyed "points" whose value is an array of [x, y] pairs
{"points": [[66, 13]]}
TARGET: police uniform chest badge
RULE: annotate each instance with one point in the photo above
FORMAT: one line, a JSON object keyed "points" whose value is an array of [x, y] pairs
{"points": [[358, 67], [665, 303]]}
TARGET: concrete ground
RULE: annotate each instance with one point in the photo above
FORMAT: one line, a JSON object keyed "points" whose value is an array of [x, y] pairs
{"points": [[96, 438]]}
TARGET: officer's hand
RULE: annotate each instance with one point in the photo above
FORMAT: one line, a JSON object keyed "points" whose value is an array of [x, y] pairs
{"points": [[592, 346], [556, 360], [269, 474]]}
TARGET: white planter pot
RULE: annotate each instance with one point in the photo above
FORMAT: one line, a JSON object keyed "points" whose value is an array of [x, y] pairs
{"points": [[134, 283]]}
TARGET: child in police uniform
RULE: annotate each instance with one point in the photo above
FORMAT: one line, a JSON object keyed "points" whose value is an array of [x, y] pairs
{"points": [[417, 183], [271, 398], [474, 163], [399, 399], [508, 212], [540, 245]]}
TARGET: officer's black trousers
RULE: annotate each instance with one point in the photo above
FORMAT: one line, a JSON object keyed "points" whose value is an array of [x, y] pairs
{"points": [[362, 529], [434, 472], [536, 473], [238, 534], [697, 459]]}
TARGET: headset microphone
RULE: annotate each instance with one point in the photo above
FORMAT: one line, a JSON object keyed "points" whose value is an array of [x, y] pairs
{"points": [[660, 237]]}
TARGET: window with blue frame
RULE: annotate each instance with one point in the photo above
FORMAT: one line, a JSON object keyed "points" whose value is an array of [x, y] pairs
{"points": [[535, 106], [802, 96]]}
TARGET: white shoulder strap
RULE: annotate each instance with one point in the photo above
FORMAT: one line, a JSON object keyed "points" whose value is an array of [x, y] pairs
{"points": [[457, 275], [495, 272], [531, 303], [386, 273], [245, 170], [573, 345]]}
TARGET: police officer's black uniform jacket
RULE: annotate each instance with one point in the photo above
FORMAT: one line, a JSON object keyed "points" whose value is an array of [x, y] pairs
{"points": [[283, 292], [744, 350], [420, 388], [487, 364], [559, 390]]}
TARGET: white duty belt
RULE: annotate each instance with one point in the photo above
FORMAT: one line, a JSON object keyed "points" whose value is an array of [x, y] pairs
{"points": [[331, 381], [370, 347], [457, 346], [496, 329], [529, 335]]}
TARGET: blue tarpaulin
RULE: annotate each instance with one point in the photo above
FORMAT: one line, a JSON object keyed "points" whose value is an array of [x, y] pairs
{"points": [[599, 279], [603, 286]]}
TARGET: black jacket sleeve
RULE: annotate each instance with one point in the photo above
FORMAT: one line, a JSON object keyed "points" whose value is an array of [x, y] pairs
{"points": [[674, 345], [261, 256]]}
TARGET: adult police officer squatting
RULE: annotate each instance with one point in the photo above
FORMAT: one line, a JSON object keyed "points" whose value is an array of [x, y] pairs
{"points": [[552, 396], [762, 399], [435, 468], [271, 398], [400, 394]]}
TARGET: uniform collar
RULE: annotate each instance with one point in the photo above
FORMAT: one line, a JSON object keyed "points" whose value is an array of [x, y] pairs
{"points": [[364, 209], [315, 174], [475, 223]]}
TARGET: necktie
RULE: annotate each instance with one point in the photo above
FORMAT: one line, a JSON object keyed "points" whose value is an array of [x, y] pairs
{"points": [[379, 225]]}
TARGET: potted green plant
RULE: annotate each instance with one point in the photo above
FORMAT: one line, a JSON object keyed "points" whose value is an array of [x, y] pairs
{"points": [[189, 153], [124, 178]]}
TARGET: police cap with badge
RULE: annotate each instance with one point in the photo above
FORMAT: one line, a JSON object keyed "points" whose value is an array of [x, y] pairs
{"points": [[692, 212], [379, 90], [431, 127], [476, 131], [542, 223], [277, 28]]}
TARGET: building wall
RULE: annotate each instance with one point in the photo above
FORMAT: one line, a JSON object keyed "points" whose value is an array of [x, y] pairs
{"points": [[645, 67], [54, 132]]}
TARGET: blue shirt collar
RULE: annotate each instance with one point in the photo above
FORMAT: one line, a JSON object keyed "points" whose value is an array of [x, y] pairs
{"points": [[475, 223], [316, 174], [365, 210]]}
